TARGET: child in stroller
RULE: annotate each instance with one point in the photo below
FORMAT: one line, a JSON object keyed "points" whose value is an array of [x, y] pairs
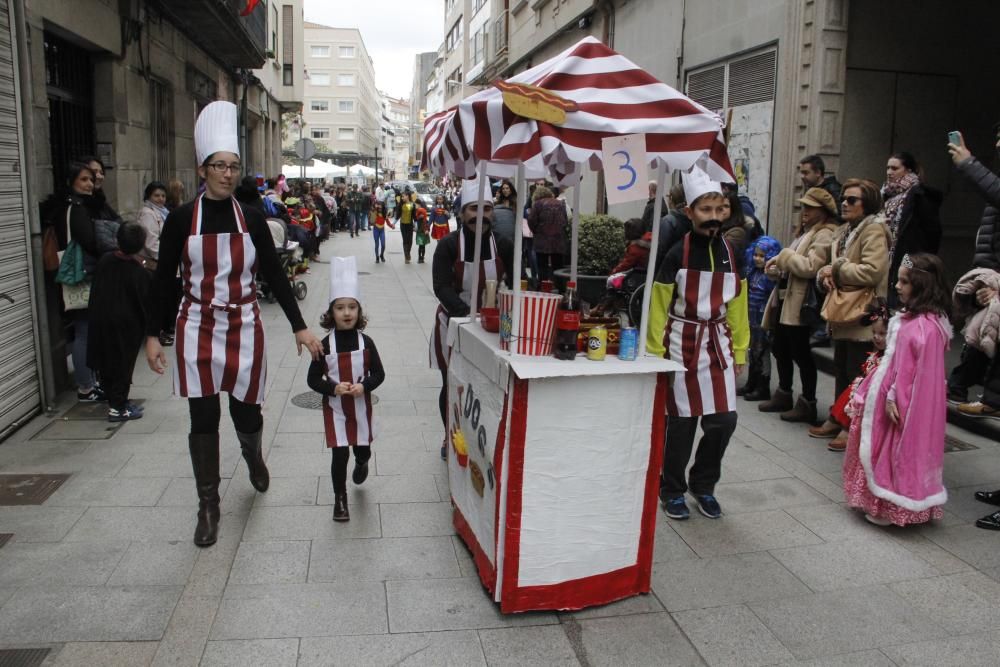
{"points": [[292, 261], [628, 277]]}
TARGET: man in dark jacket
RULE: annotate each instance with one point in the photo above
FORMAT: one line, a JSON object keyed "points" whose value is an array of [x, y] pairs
{"points": [[812, 172], [975, 366], [647, 213]]}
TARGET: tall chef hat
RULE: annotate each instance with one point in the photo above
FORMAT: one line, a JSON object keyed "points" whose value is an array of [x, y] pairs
{"points": [[344, 279], [470, 192], [215, 130], [698, 183]]}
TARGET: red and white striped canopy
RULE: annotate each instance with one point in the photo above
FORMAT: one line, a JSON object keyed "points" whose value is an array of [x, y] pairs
{"points": [[614, 96]]}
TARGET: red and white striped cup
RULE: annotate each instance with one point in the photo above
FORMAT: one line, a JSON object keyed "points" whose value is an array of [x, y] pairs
{"points": [[538, 322]]}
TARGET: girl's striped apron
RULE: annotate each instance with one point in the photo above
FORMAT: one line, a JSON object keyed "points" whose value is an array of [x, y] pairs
{"points": [[347, 420], [220, 337], [489, 269], [697, 335]]}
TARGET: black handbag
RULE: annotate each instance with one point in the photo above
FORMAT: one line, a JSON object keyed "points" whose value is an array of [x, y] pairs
{"points": [[812, 305]]}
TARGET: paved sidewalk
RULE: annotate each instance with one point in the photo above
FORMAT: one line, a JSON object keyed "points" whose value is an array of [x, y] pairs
{"points": [[104, 572]]}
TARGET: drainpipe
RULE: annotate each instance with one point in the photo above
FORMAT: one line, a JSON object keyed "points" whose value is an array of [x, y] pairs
{"points": [[23, 83], [607, 9]]}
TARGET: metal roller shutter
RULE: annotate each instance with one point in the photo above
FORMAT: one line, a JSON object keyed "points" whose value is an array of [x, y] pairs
{"points": [[20, 394]]}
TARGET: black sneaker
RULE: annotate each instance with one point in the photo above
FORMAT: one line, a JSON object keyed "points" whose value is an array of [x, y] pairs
{"points": [[132, 407], [122, 415], [444, 450], [709, 506], [955, 398], [677, 509], [95, 395], [360, 472]]}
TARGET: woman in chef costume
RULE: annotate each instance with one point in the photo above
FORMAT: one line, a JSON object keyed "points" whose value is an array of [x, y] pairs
{"points": [[347, 374]]}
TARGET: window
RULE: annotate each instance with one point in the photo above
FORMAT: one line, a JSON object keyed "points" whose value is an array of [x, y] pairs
{"points": [[319, 51], [347, 52], [345, 79], [345, 106], [479, 45], [320, 133], [286, 76], [319, 78], [454, 80], [477, 5], [274, 30], [319, 105], [747, 80], [345, 133], [161, 125], [454, 37]]}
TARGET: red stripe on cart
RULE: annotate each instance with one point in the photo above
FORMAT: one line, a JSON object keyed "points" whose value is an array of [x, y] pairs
{"points": [[487, 573], [515, 486]]}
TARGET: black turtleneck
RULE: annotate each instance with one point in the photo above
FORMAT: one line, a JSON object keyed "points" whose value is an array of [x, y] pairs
{"points": [[443, 267], [218, 217], [699, 257]]}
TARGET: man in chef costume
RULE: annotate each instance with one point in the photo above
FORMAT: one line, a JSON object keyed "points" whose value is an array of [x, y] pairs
{"points": [[698, 317], [219, 246], [452, 273]]}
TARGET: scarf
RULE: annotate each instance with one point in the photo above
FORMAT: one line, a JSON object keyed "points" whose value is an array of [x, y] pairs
{"points": [[162, 210], [894, 194]]}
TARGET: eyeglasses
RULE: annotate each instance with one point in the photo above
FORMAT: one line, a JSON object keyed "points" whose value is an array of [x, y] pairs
{"points": [[850, 201], [222, 167]]}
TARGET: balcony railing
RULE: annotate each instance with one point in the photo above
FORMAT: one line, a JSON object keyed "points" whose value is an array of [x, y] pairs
{"points": [[217, 28]]}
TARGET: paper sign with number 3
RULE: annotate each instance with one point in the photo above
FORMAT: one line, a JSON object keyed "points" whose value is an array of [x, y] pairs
{"points": [[625, 168]]}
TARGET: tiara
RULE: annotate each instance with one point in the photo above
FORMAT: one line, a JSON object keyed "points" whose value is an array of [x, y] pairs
{"points": [[906, 263]]}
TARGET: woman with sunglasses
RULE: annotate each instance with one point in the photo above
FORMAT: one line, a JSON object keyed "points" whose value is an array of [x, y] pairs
{"points": [[859, 262]]}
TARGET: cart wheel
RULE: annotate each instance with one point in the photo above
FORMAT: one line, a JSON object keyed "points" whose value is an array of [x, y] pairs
{"points": [[635, 306], [301, 290]]}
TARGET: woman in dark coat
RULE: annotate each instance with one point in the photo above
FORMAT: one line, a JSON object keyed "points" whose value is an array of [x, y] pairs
{"points": [[547, 221], [913, 212]]}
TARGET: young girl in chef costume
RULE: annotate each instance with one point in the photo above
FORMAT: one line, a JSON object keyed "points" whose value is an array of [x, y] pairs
{"points": [[347, 374]]}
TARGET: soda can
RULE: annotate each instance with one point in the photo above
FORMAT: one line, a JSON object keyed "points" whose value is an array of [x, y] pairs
{"points": [[628, 344], [547, 286], [597, 343]]}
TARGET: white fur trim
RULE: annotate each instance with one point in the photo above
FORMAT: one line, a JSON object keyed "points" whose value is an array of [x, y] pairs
{"points": [[865, 444]]}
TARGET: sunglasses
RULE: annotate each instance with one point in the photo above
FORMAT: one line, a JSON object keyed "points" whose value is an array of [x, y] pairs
{"points": [[850, 201]]}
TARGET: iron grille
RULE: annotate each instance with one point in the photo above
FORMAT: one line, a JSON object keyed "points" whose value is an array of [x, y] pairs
{"points": [[69, 87], [161, 127]]}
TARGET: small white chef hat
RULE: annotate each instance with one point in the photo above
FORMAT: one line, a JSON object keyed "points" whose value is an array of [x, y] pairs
{"points": [[216, 130], [344, 279], [698, 183], [470, 192]]}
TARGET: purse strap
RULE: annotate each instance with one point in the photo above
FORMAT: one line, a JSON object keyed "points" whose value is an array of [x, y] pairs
{"points": [[69, 210]]}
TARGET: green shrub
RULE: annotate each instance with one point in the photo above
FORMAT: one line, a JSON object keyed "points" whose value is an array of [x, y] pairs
{"points": [[602, 244]]}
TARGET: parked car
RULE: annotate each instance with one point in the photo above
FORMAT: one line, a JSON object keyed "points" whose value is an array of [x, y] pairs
{"points": [[426, 191]]}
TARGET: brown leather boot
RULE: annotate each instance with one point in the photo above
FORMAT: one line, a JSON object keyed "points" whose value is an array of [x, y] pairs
{"points": [[780, 402], [340, 511], [838, 444], [804, 411], [204, 449], [827, 429], [253, 454]]}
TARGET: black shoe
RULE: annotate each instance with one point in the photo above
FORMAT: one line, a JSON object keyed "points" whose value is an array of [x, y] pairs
{"points": [[360, 473], [253, 454], [957, 398], [95, 395], [761, 393], [990, 522], [988, 497], [382, 257], [677, 509], [709, 506], [444, 450], [340, 511]]}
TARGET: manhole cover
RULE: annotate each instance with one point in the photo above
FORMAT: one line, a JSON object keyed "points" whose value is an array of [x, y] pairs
{"points": [[28, 489], [953, 444], [23, 657], [5, 538], [312, 400]]}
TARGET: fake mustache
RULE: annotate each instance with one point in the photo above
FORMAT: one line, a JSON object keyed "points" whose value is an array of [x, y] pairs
{"points": [[711, 226]]}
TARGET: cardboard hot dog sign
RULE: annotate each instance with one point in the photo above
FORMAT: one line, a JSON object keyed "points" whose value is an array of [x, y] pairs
{"points": [[534, 102]]}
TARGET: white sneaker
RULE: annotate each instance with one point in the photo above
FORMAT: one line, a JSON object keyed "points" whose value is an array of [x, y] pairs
{"points": [[878, 521]]}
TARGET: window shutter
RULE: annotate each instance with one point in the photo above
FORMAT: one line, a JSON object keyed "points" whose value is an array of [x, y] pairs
{"points": [[707, 87], [288, 35], [751, 80]]}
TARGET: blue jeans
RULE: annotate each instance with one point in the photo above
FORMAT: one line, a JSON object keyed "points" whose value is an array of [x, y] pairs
{"points": [[379, 235], [82, 375]]}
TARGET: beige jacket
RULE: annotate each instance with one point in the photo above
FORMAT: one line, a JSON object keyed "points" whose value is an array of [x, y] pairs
{"points": [[800, 265], [864, 262]]}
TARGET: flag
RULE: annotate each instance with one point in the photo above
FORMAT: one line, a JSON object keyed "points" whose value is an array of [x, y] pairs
{"points": [[251, 5]]}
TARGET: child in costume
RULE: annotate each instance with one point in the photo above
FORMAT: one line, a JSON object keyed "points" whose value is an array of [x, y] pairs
{"points": [[378, 231], [637, 250], [347, 374], [895, 449], [877, 316], [698, 317], [440, 219], [423, 232], [759, 287]]}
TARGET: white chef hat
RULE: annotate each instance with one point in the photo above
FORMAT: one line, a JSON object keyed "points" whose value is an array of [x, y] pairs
{"points": [[215, 130], [344, 279], [698, 183], [470, 192]]}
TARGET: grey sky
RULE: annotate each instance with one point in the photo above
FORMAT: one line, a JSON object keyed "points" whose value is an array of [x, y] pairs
{"points": [[394, 31]]}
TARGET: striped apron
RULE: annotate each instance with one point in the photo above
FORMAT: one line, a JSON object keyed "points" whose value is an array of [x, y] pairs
{"points": [[489, 269], [220, 337], [347, 420], [697, 335]]}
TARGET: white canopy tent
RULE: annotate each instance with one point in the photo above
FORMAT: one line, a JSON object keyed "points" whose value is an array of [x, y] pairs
{"points": [[319, 169]]}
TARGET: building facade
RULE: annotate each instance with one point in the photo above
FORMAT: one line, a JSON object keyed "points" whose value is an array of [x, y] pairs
{"points": [[342, 108], [395, 153], [423, 68]]}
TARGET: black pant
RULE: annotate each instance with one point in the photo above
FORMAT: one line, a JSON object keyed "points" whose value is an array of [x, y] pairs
{"points": [[848, 357], [116, 383], [407, 232], [971, 370], [707, 468], [991, 387], [443, 399], [790, 349], [421, 250], [206, 413], [338, 464], [548, 262]]}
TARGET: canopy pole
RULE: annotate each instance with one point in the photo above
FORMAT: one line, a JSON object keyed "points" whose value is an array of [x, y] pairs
{"points": [[575, 239], [477, 255], [647, 292], [515, 315]]}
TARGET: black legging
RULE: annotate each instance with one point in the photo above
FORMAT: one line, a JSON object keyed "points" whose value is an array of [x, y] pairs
{"points": [[791, 346], [407, 231], [548, 262], [848, 357], [206, 413], [443, 400], [338, 464]]}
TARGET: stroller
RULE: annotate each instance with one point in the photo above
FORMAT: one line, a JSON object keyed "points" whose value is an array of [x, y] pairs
{"points": [[292, 262], [623, 296]]}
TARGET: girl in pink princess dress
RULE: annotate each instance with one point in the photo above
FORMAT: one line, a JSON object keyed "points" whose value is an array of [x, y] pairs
{"points": [[895, 450]]}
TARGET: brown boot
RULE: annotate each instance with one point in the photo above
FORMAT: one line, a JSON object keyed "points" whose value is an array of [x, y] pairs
{"points": [[780, 402], [838, 444], [828, 429], [250, 444], [804, 411], [204, 449], [340, 511]]}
